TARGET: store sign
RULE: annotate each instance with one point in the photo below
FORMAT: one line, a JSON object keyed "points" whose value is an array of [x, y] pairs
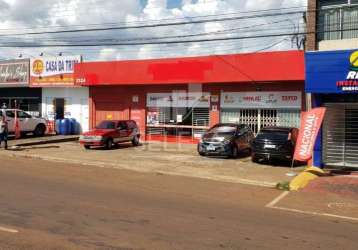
{"points": [[53, 71], [14, 73], [178, 99], [332, 71], [257, 100], [351, 81]]}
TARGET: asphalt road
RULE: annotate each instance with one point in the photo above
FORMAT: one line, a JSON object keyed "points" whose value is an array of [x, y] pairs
{"points": [[57, 206]]}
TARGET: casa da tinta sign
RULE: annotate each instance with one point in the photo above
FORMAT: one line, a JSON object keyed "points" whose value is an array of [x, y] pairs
{"points": [[53, 71]]}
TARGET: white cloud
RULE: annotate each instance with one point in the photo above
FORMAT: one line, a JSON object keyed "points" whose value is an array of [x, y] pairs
{"points": [[21, 16]]}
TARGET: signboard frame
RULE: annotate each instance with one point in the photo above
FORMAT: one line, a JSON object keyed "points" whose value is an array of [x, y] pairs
{"points": [[17, 70], [262, 100], [56, 71]]}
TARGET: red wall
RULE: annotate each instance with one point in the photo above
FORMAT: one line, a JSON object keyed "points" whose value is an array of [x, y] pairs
{"points": [[238, 68], [117, 100]]}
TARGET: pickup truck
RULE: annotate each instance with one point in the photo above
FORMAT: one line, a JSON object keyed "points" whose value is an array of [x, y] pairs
{"points": [[27, 123]]}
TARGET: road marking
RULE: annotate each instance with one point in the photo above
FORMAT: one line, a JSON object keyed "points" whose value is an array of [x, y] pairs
{"points": [[315, 213], [8, 230], [278, 198], [347, 176], [285, 193], [341, 205]]}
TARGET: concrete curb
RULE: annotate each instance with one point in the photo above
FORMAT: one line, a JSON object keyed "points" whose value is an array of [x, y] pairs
{"points": [[45, 140], [305, 177], [228, 179]]}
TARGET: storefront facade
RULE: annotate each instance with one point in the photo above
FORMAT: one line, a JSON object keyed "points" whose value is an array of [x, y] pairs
{"points": [[332, 78], [14, 87], [60, 98], [183, 97]]}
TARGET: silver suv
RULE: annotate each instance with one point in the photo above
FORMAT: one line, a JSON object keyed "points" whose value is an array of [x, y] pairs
{"points": [[27, 123]]}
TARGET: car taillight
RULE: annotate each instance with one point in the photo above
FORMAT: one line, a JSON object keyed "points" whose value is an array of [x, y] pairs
{"points": [[289, 137]]}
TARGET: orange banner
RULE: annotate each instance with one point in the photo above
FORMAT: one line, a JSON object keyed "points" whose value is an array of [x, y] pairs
{"points": [[311, 122]]}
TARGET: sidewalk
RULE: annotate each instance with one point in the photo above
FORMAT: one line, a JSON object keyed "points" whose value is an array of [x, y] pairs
{"points": [[344, 184], [335, 197], [161, 158]]}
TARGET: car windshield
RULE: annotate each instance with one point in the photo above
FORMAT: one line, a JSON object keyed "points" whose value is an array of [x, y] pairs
{"points": [[106, 125], [225, 129], [272, 135]]}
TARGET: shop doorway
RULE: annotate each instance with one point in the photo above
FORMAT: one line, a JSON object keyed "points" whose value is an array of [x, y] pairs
{"points": [[177, 121], [177, 115], [340, 135], [59, 104]]}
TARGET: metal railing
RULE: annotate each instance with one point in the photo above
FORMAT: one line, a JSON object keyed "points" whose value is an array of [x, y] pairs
{"points": [[338, 22]]}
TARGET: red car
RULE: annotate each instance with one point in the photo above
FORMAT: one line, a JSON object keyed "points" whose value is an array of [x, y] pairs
{"points": [[110, 132]]}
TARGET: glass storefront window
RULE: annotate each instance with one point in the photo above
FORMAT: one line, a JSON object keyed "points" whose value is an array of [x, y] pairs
{"points": [[30, 105], [186, 114]]}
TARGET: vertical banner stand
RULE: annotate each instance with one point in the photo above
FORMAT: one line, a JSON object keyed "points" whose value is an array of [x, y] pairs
{"points": [[292, 173]]}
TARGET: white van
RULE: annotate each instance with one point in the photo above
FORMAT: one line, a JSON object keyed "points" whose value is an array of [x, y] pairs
{"points": [[27, 123]]}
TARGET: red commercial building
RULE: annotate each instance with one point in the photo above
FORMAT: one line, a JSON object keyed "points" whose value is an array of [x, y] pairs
{"points": [[179, 98]]}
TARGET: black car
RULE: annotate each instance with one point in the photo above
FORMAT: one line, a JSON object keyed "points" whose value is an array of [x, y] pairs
{"points": [[226, 139], [274, 143]]}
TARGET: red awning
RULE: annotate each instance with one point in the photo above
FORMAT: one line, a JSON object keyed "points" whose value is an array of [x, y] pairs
{"points": [[252, 67]]}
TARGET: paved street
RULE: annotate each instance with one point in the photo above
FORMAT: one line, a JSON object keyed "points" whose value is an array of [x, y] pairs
{"points": [[57, 206]]}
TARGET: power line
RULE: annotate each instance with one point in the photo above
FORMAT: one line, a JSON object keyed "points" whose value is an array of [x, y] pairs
{"points": [[213, 50], [224, 31], [164, 19], [153, 25], [158, 42]]}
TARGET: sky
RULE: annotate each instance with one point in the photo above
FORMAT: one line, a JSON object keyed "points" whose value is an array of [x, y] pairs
{"points": [[20, 17]]}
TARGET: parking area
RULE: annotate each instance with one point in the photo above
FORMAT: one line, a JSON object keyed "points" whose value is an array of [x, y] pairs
{"points": [[161, 158]]}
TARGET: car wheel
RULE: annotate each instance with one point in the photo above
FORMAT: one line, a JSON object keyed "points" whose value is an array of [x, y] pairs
{"points": [[135, 141], [87, 147], [201, 153], [254, 159], [40, 130], [234, 152], [109, 143]]}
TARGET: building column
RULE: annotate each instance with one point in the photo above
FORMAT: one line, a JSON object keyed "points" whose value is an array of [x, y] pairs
{"points": [[311, 28]]}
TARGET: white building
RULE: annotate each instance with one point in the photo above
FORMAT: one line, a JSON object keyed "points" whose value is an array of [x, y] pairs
{"points": [[60, 97]]}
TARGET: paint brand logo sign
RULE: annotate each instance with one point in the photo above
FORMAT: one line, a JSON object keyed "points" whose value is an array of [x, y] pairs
{"points": [[351, 82], [38, 67], [261, 100]]}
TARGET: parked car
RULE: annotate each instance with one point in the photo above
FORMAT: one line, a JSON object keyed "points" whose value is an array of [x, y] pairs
{"points": [[274, 143], [226, 139], [27, 123], [110, 132]]}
